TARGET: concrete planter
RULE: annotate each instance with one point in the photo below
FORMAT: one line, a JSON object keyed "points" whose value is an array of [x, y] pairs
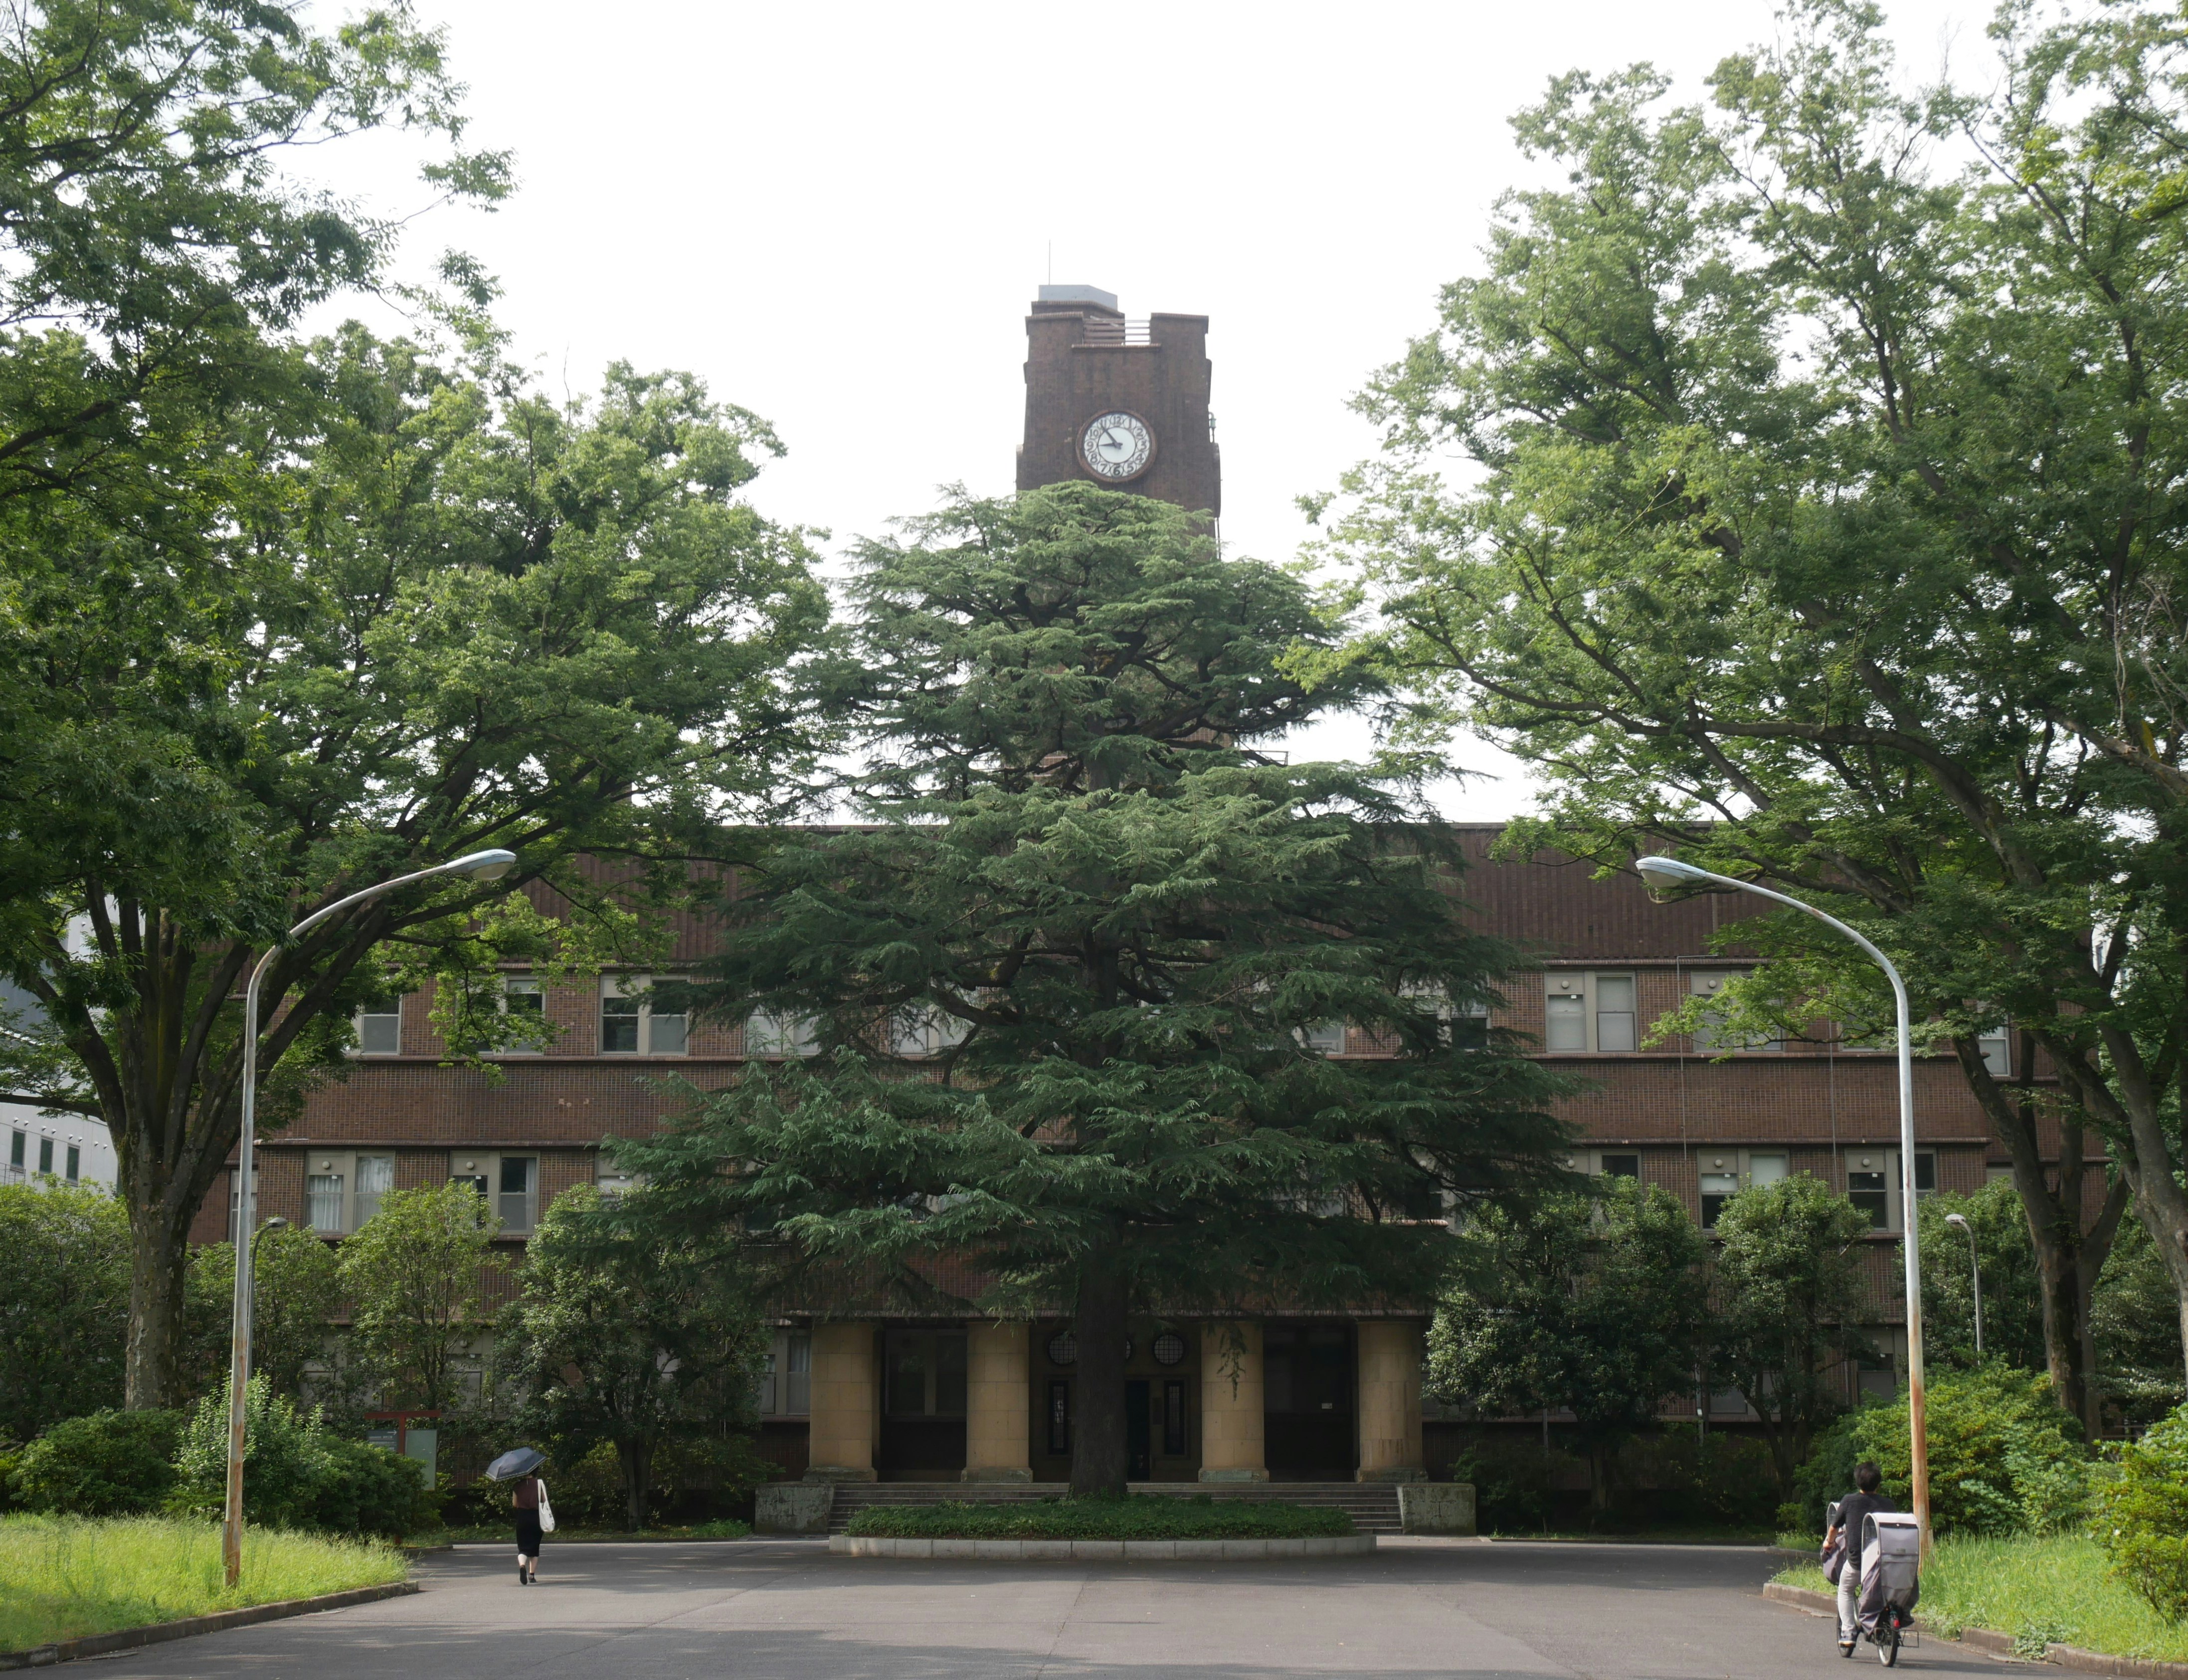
{"points": [[792, 1507], [1108, 1551], [1436, 1507]]}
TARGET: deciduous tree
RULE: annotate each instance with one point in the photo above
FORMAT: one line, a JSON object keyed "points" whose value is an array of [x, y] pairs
{"points": [[415, 1275], [619, 1336], [1590, 1302], [1825, 523]]}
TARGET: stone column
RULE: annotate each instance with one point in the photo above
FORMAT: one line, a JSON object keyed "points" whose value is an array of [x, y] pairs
{"points": [[1231, 1422], [1389, 1374], [998, 1402], [845, 1403]]}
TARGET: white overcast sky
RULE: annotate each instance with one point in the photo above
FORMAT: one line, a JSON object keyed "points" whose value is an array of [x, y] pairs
{"points": [[837, 213]]}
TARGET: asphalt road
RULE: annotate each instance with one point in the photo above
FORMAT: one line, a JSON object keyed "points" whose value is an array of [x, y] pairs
{"points": [[787, 1610]]}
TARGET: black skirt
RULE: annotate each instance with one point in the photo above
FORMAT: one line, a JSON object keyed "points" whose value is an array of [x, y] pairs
{"points": [[528, 1533]]}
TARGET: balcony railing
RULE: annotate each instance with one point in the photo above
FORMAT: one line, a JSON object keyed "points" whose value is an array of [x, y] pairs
{"points": [[1099, 330]]}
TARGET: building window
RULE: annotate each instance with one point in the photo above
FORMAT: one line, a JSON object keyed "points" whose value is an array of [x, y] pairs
{"points": [[1724, 1177], [1565, 1023], [1323, 1038], [323, 1202], [16, 1143], [45, 1156], [379, 1029], [1707, 1040], [1716, 1188], [781, 1036], [1873, 1184], [631, 1026], [1996, 1045], [1591, 1013], [525, 1003], [925, 1029], [517, 1199], [75, 1163], [1616, 1163], [1614, 1014], [1173, 1418], [376, 1177], [785, 1389]]}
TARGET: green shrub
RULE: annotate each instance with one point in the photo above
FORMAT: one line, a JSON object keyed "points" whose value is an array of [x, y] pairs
{"points": [[368, 1489], [2003, 1458], [2142, 1517], [107, 1464], [284, 1458], [1143, 1516]]}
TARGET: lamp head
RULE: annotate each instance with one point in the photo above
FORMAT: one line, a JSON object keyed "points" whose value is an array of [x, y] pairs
{"points": [[274, 1222], [1661, 872], [1956, 1219], [485, 865]]}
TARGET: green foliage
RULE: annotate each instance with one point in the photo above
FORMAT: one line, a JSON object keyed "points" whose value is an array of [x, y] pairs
{"points": [[428, 610], [1103, 916], [1590, 1302], [64, 1577], [2135, 1319], [285, 1458], [108, 1463], [2003, 1458], [1141, 1516], [2012, 1290], [414, 1274], [1791, 1290], [622, 1337], [1768, 548], [64, 1294], [364, 1489], [2141, 1519], [297, 1289]]}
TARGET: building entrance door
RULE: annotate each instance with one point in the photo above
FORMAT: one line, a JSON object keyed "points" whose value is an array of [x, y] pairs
{"points": [[1307, 1397], [923, 1432], [1139, 1431]]}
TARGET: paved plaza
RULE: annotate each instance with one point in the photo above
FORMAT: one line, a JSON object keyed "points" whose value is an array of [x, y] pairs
{"points": [[787, 1610]]}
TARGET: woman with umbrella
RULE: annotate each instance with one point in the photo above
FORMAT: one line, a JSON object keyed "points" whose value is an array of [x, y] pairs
{"points": [[534, 1516]]}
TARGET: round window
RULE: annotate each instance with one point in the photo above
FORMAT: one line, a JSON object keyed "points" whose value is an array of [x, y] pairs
{"points": [[1062, 1349], [1169, 1349]]}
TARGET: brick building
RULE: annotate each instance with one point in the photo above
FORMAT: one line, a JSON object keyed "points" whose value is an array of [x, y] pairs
{"points": [[1311, 1397]]}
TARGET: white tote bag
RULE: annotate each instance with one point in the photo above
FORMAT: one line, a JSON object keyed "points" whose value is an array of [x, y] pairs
{"points": [[546, 1512]]}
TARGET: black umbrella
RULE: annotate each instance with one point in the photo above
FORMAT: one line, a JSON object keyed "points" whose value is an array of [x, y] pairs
{"points": [[518, 1461]]}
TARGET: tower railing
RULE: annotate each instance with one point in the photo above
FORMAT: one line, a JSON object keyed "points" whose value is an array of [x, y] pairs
{"points": [[1100, 329]]}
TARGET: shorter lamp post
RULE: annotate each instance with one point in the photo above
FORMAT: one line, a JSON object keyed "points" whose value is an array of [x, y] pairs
{"points": [[1661, 872], [489, 866], [1975, 1272]]}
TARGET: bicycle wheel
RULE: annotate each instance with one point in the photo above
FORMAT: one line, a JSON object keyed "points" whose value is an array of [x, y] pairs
{"points": [[1887, 1639]]}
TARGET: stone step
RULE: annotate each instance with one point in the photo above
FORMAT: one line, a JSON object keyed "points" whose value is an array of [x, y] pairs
{"points": [[1373, 1506]]}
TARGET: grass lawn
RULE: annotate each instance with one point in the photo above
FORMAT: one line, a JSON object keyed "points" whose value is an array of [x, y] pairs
{"points": [[1141, 1516], [2053, 1591], [63, 1577]]}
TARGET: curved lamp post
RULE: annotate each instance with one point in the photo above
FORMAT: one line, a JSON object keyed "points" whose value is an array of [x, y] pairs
{"points": [[487, 866], [1660, 871], [1975, 1272]]}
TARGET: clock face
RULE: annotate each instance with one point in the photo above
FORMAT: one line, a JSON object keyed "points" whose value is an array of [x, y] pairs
{"points": [[1116, 447]]}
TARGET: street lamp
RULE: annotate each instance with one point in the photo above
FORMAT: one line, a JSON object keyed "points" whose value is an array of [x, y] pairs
{"points": [[489, 866], [1661, 872], [1975, 1272]]}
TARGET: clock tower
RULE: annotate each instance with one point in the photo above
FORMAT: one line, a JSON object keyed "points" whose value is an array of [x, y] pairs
{"points": [[1120, 403]]}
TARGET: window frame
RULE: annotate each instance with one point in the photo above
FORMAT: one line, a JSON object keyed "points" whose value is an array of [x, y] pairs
{"points": [[786, 1038], [365, 1013], [1585, 985], [1888, 1156], [344, 1164], [1741, 1171], [638, 989], [466, 1166], [1708, 982]]}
